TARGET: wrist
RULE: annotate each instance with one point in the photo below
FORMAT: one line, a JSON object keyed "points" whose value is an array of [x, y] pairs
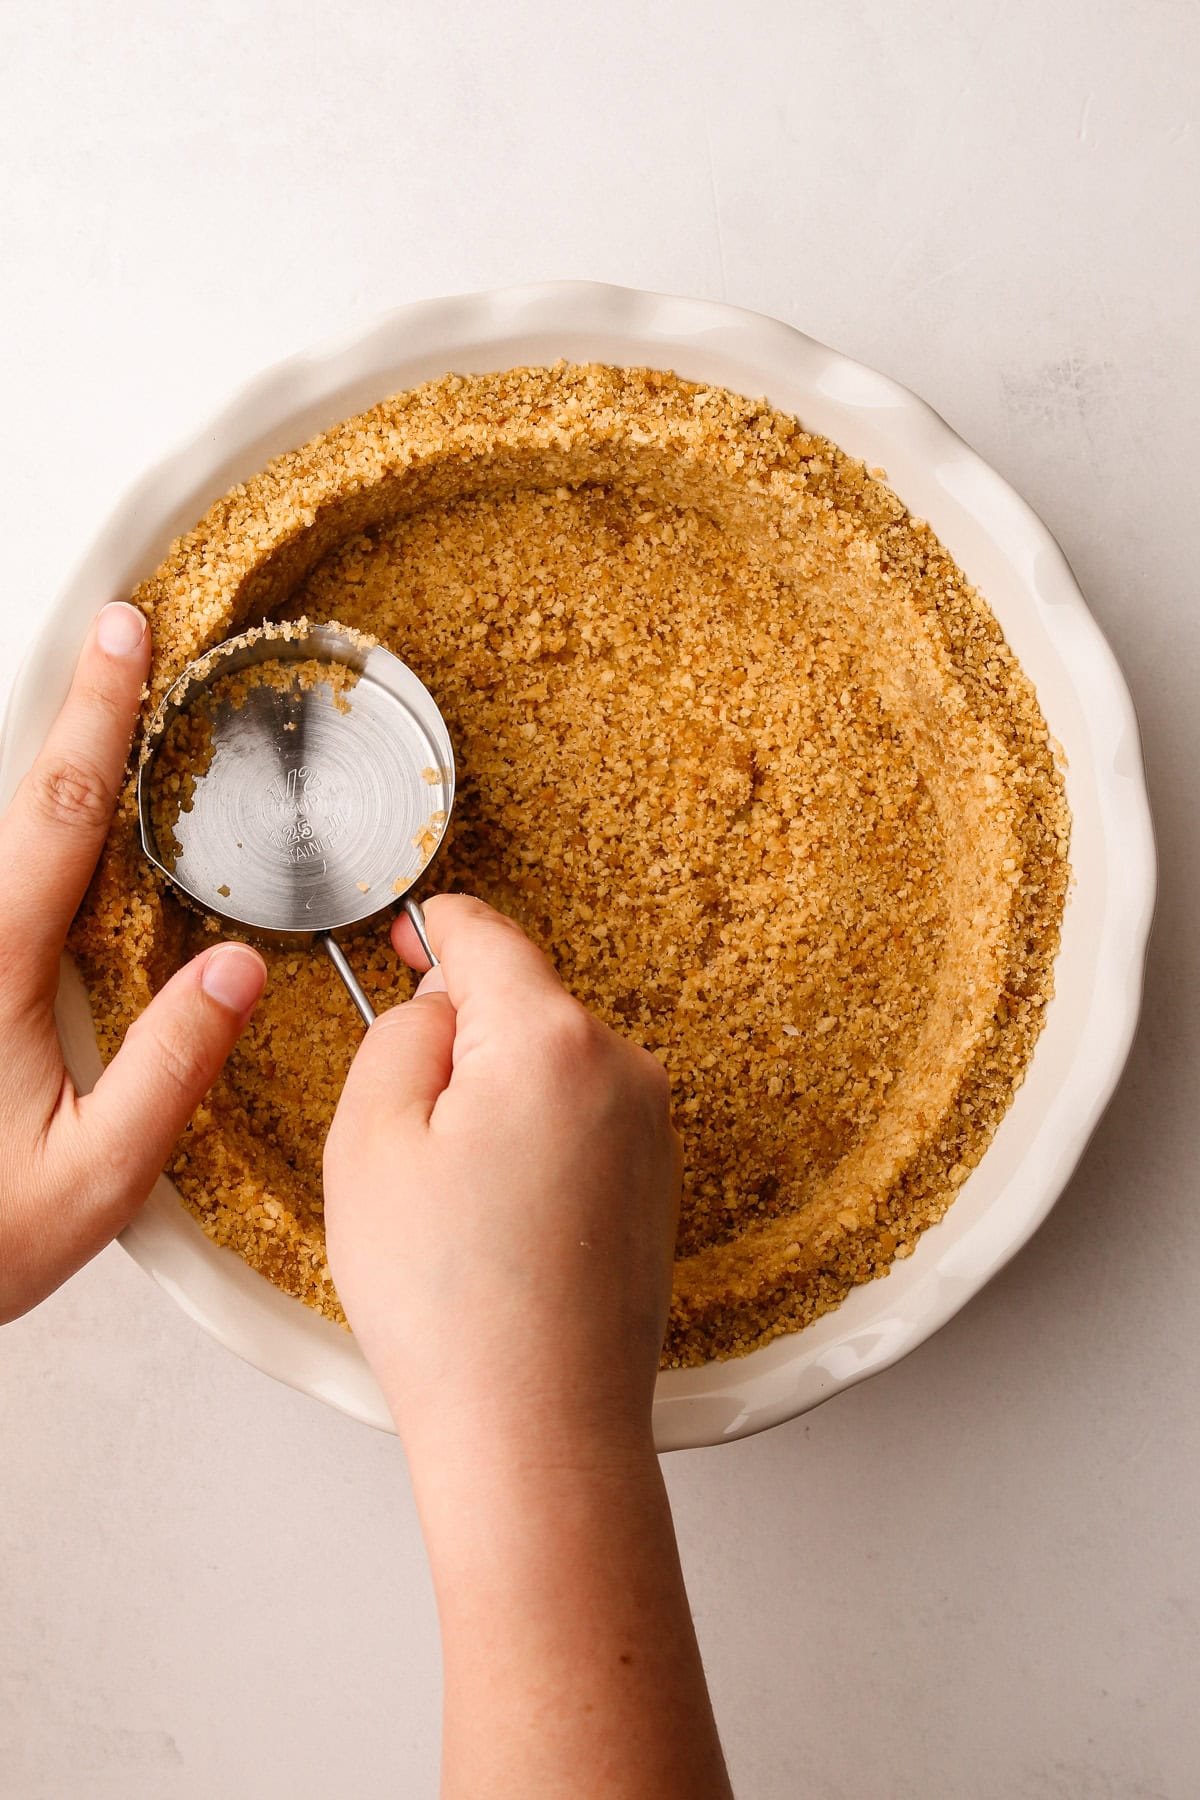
{"points": [[480, 1457], [496, 1519], [457, 1441], [560, 1420]]}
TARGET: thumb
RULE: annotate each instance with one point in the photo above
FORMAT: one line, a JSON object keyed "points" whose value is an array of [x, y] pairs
{"points": [[403, 1064], [170, 1058]]}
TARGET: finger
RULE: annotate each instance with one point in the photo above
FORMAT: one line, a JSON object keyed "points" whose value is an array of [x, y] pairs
{"points": [[170, 1058], [53, 833], [487, 961], [402, 1067]]}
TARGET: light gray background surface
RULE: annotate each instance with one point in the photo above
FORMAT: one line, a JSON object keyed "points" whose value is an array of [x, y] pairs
{"points": [[976, 1575]]}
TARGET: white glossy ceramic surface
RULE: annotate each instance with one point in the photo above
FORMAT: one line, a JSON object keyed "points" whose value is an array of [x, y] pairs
{"points": [[1004, 549]]}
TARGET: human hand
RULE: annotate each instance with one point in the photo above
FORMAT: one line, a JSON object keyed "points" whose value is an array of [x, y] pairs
{"points": [[75, 1169], [501, 1191]]}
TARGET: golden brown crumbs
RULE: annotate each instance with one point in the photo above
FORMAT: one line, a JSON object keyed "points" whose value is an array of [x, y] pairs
{"points": [[739, 746], [174, 762], [298, 676], [183, 758]]}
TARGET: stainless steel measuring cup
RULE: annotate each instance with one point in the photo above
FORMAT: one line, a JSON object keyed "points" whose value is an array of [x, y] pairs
{"points": [[317, 804]]}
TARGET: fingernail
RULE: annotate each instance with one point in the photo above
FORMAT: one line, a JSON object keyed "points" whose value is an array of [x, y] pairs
{"points": [[432, 982], [234, 976], [120, 629]]}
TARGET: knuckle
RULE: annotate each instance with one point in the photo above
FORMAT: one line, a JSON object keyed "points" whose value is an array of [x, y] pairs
{"points": [[479, 915], [451, 906], [71, 793], [386, 1023], [569, 1032], [98, 699], [473, 910], [391, 1034], [180, 1061], [655, 1077]]}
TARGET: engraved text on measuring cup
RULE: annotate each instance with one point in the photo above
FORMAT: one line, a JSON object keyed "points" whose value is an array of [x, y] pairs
{"points": [[307, 816]]}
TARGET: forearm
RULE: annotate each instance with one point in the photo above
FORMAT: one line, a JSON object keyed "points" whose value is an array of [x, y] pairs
{"points": [[571, 1664]]}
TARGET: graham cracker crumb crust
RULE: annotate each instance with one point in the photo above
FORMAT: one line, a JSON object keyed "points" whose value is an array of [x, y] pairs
{"points": [[739, 746]]}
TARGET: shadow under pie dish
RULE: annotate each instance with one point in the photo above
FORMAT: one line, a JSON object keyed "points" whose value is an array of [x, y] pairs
{"points": [[739, 747], [769, 728]]}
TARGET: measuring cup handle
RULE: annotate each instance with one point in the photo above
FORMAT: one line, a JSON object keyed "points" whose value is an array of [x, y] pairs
{"points": [[337, 957], [413, 909]]}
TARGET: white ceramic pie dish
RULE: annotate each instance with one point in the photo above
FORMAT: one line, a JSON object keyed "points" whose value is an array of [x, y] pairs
{"points": [[1003, 548]]}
